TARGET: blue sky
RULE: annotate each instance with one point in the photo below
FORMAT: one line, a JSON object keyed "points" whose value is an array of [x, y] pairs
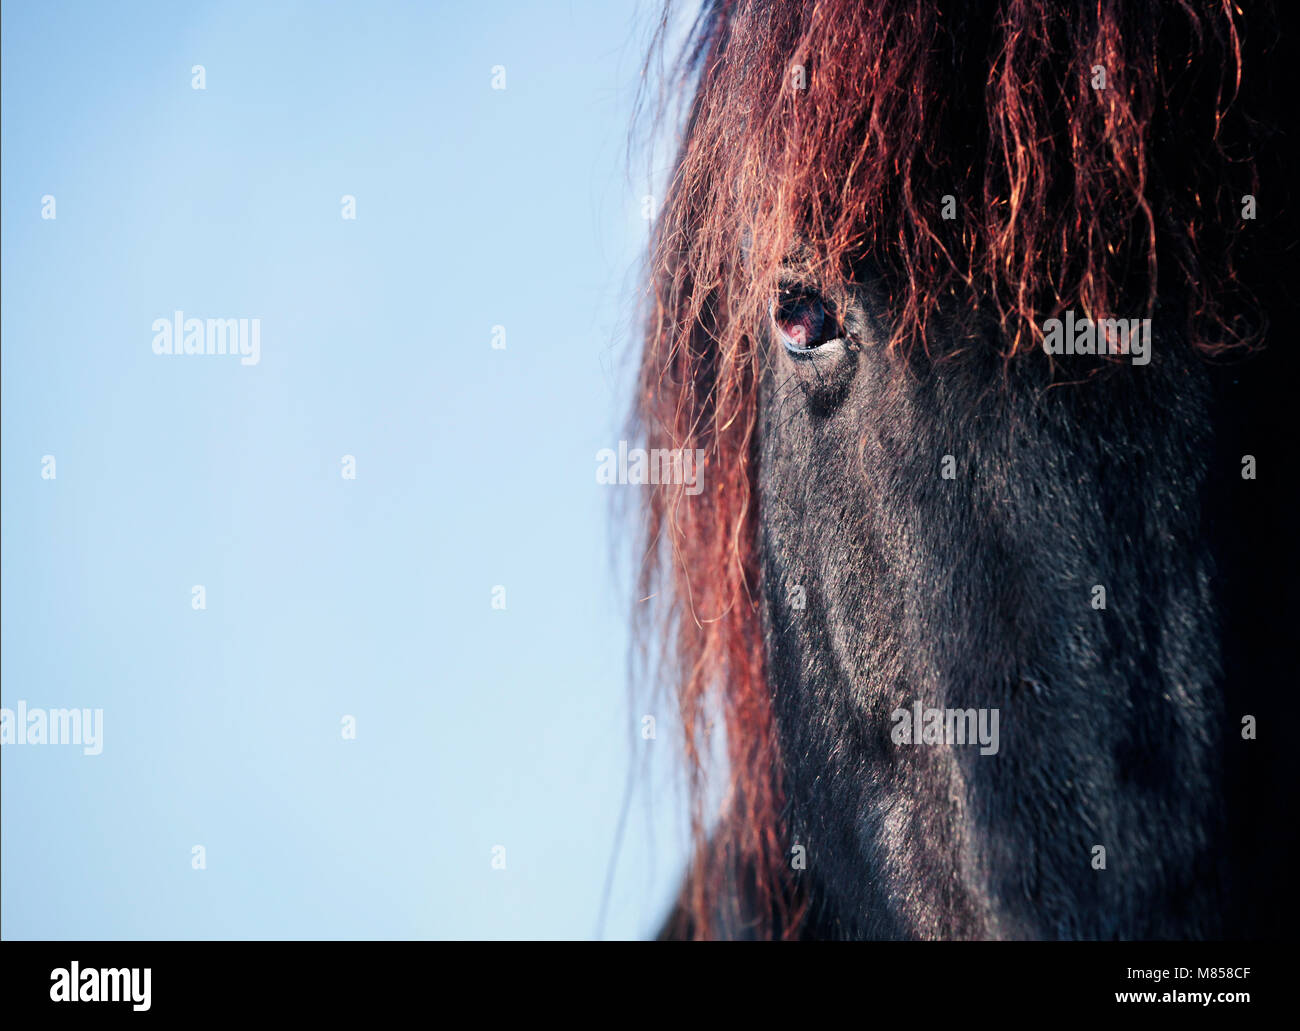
{"points": [[325, 597]]}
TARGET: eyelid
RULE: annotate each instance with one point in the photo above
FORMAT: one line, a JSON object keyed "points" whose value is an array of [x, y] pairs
{"points": [[789, 288]]}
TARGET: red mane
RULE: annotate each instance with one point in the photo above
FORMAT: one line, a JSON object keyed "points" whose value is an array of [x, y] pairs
{"points": [[1066, 196]]}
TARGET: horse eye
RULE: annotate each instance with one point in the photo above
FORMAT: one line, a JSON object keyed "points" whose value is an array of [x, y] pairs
{"points": [[801, 319]]}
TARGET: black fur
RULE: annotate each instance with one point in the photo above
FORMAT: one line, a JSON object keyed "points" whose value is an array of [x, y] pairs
{"points": [[974, 592], [1119, 728]]}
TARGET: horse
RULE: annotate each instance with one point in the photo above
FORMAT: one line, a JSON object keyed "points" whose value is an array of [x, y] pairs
{"points": [[978, 621]]}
